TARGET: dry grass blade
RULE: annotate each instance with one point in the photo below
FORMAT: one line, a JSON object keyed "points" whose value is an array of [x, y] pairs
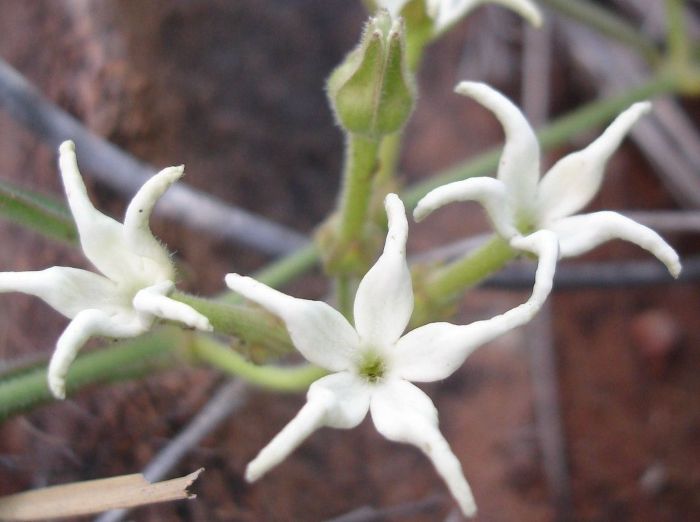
{"points": [[227, 399], [94, 496]]}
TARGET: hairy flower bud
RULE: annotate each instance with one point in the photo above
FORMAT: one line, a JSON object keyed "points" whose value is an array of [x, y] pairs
{"points": [[372, 92]]}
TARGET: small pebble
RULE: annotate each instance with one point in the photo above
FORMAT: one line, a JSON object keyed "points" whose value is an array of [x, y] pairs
{"points": [[657, 335]]}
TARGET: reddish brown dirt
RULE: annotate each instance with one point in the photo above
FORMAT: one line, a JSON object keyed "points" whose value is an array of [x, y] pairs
{"points": [[234, 90]]}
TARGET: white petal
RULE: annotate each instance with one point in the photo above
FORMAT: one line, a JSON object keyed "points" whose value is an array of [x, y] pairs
{"points": [[489, 192], [67, 290], [154, 300], [136, 221], [101, 237], [579, 234], [519, 166], [403, 413], [575, 179], [447, 12], [434, 351], [545, 245], [340, 401], [384, 300], [320, 333], [86, 324], [393, 6]]}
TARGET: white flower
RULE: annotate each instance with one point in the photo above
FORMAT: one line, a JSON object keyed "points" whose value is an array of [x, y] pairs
{"points": [[373, 364], [445, 13], [138, 273], [518, 202], [448, 12]]}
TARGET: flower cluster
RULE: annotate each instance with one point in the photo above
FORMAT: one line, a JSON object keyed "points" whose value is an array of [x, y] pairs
{"points": [[372, 363]]}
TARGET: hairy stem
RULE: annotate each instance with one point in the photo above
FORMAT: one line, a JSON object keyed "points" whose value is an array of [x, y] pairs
{"points": [[131, 359], [360, 168], [454, 278], [276, 378], [677, 32], [252, 325], [344, 295]]}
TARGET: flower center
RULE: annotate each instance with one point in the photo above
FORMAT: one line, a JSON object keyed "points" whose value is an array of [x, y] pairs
{"points": [[525, 224], [372, 367]]}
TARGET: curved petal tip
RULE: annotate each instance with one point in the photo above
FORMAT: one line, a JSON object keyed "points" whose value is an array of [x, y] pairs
{"points": [[66, 146], [396, 216], [472, 89], [57, 385]]}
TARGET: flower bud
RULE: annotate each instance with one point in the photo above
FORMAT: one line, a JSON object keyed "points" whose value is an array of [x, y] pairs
{"points": [[372, 92]]}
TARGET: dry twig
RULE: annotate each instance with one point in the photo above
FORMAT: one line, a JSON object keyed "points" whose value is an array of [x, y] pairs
{"points": [[94, 496], [227, 399]]}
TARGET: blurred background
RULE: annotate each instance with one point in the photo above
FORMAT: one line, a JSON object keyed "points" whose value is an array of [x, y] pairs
{"points": [[589, 414]]}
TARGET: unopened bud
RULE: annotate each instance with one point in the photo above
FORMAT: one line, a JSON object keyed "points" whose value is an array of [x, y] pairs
{"points": [[372, 92]]}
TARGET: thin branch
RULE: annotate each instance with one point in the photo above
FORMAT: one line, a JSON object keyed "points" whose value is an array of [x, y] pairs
{"points": [[607, 23], [539, 341], [536, 73], [399, 512], [575, 276], [228, 398], [545, 388], [668, 221], [125, 174]]}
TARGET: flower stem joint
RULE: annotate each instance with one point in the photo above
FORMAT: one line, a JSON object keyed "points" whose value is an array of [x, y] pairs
{"points": [[371, 91]]}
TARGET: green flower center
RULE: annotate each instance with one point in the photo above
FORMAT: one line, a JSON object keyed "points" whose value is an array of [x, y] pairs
{"points": [[372, 367]]}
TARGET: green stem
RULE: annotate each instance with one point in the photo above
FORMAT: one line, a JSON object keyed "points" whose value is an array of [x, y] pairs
{"points": [[360, 167], [279, 272], [287, 268], [450, 280], [253, 325], [127, 360], [553, 135], [290, 379], [37, 212], [677, 33], [344, 296], [388, 159], [608, 24]]}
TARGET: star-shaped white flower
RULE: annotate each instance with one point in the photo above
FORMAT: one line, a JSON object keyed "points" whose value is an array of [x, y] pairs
{"points": [[373, 364], [446, 13], [518, 202], [138, 273]]}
